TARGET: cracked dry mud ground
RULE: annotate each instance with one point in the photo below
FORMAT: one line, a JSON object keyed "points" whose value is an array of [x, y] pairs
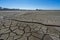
{"points": [[21, 29], [15, 30]]}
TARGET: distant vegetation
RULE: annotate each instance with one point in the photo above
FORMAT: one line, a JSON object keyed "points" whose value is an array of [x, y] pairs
{"points": [[14, 9], [1, 8]]}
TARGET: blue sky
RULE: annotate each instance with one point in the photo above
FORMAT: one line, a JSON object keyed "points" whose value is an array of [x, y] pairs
{"points": [[31, 4]]}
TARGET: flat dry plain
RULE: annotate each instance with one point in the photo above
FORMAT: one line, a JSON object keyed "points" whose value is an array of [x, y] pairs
{"points": [[29, 25]]}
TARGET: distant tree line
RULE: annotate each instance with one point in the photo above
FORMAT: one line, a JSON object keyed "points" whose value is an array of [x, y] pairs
{"points": [[38, 9], [1, 8]]}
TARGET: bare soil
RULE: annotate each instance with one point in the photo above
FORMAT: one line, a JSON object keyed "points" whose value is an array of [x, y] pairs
{"points": [[29, 25]]}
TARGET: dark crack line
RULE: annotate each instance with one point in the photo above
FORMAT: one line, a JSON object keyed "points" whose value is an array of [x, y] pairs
{"points": [[8, 36], [12, 30], [44, 36], [35, 23], [27, 38], [20, 36], [4, 34], [35, 37]]}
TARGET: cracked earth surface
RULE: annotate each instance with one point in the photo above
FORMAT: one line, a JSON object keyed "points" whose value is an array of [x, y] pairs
{"points": [[24, 30], [15, 30]]}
